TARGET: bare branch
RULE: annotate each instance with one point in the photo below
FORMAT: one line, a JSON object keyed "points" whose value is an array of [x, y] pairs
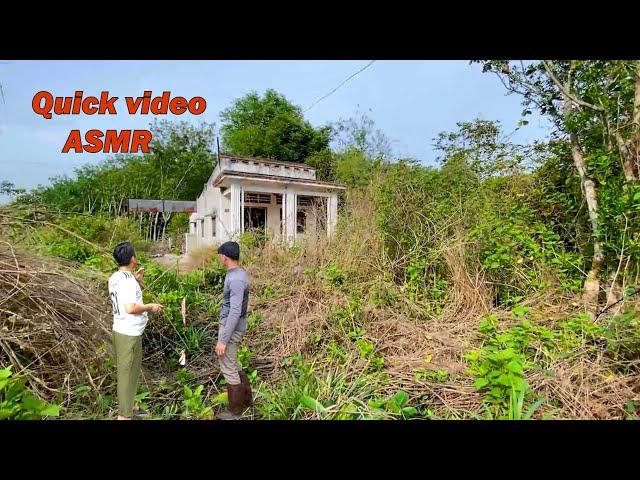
{"points": [[568, 94]]}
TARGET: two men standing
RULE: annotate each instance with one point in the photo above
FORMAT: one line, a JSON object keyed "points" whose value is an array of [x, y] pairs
{"points": [[130, 320]]}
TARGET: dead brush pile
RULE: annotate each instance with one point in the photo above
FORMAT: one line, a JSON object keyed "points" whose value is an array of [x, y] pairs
{"points": [[51, 322]]}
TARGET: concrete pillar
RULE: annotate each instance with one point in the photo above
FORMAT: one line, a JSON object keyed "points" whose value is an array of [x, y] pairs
{"points": [[236, 210], [290, 209], [332, 213], [221, 227]]}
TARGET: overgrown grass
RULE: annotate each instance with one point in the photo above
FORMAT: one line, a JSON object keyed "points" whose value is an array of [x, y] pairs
{"points": [[418, 307]]}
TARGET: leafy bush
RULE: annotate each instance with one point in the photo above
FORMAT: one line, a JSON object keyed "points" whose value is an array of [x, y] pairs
{"points": [[622, 334], [521, 255], [16, 403]]}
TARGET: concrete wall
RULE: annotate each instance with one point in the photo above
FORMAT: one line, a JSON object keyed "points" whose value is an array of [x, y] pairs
{"points": [[215, 206], [249, 166]]}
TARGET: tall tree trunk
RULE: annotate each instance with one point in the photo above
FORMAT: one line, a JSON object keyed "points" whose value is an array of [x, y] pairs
{"points": [[630, 148], [635, 145], [592, 283], [165, 220], [155, 227]]}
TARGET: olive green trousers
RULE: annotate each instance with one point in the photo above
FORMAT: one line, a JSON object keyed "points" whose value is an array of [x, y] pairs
{"points": [[129, 359]]}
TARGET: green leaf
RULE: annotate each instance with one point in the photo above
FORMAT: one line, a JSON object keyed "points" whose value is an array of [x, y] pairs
{"points": [[83, 389], [495, 392], [532, 409], [141, 396], [221, 398], [480, 382], [392, 406], [401, 398], [514, 366], [30, 402], [5, 372], [51, 410], [409, 411], [472, 356], [6, 413], [188, 393], [520, 310], [312, 404], [504, 380]]}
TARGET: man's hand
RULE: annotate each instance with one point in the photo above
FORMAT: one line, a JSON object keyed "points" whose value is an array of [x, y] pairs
{"points": [[221, 349], [139, 274], [155, 307]]}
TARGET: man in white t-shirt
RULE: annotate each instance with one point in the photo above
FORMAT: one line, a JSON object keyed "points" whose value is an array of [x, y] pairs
{"points": [[129, 321]]}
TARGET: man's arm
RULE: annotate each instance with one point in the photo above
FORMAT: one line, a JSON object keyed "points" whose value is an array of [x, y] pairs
{"points": [[236, 296], [138, 308], [129, 300]]}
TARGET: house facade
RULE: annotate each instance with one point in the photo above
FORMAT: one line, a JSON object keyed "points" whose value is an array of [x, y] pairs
{"points": [[281, 198]]}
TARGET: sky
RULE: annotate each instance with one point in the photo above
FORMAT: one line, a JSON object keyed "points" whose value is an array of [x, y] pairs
{"points": [[410, 101]]}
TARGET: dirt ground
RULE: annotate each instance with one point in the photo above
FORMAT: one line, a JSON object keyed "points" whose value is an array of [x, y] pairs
{"points": [[182, 262]]}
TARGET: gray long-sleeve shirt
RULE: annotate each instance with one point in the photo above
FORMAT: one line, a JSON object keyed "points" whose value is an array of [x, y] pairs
{"points": [[235, 298]]}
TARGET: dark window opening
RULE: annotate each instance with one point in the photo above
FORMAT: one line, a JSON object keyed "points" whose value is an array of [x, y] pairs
{"points": [[304, 201], [255, 218], [301, 221]]}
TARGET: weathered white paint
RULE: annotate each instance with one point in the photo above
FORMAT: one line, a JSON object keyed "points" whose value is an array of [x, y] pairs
{"points": [[332, 213], [289, 200], [247, 165], [224, 202], [236, 208]]}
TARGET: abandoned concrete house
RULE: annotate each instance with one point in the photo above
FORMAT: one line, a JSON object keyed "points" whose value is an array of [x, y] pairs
{"points": [[247, 193]]}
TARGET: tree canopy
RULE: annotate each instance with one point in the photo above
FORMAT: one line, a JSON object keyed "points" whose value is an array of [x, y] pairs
{"points": [[270, 126]]}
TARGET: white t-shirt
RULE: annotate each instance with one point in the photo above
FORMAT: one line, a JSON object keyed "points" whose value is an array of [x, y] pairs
{"points": [[123, 289]]}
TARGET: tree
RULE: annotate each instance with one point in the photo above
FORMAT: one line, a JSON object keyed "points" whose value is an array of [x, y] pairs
{"points": [[9, 189], [179, 163], [360, 149], [272, 127], [360, 134], [596, 106], [484, 147]]}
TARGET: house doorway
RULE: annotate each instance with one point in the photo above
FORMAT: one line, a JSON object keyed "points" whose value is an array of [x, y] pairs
{"points": [[255, 218]]}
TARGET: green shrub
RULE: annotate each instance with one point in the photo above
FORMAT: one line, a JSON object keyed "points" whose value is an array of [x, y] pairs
{"points": [[16, 403]]}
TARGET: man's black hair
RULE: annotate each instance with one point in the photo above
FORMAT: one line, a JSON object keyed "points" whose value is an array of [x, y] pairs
{"points": [[231, 250], [123, 253]]}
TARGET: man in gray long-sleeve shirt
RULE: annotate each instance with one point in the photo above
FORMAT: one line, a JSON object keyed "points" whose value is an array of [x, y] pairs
{"points": [[233, 326]]}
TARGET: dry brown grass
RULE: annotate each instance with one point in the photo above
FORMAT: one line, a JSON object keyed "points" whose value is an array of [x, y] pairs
{"points": [[52, 321], [581, 387]]}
